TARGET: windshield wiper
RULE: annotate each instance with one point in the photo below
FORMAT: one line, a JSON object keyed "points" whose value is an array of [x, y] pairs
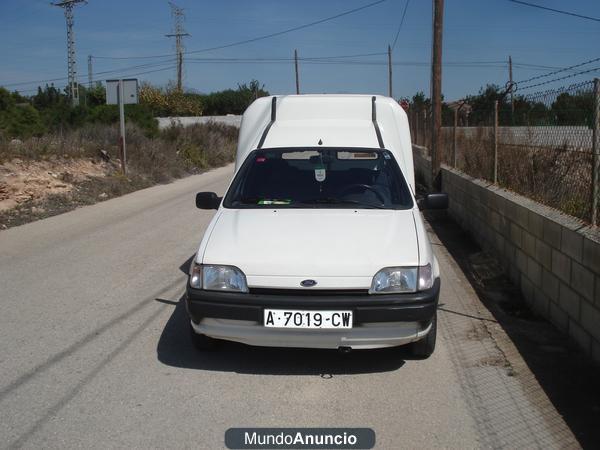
{"points": [[337, 201]]}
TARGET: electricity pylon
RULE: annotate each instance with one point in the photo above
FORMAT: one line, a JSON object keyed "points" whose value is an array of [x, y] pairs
{"points": [[68, 6], [178, 33]]}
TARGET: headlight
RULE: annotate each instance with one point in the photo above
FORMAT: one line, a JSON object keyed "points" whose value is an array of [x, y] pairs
{"points": [[217, 278], [402, 279]]}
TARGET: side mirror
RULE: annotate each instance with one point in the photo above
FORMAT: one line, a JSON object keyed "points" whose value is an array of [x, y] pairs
{"points": [[433, 201], [207, 200]]}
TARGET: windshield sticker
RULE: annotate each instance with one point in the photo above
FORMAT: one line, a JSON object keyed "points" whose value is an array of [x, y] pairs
{"points": [[282, 201], [320, 173], [261, 159]]}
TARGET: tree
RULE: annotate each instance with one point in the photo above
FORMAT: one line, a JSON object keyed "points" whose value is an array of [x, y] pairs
{"points": [[232, 101], [49, 97], [21, 121], [569, 109], [419, 102], [95, 96], [170, 101], [482, 105]]}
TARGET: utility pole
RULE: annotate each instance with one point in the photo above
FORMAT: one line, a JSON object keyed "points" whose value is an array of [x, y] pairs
{"points": [[178, 34], [495, 168], [68, 6], [90, 76], [510, 84], [297, 75], [596, 153], [122, 127], [436, 93], [389, 71]]}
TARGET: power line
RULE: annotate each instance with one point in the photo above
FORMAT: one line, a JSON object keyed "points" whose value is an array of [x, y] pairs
{"points": [[556, 10], [119, 75], [290, 30], [564, 69], [328, 59], [345, 56], [105, 72], [287, 58], [538, 68], [401, 23], [323, 60], [312, 57], [259, 38], [560, 78], [126, 69]]}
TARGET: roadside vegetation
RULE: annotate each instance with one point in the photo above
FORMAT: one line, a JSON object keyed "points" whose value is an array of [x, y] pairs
{"points": [[49, 110], [55, 157], [566, 109], [544, 149], [59, 171]]}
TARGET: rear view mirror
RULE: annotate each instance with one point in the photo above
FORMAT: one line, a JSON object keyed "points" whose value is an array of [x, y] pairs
{"points": [[207, 200], [434, 201]]}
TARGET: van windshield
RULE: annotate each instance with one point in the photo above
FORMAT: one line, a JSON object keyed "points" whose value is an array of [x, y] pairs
{"points": [[319, 178]]}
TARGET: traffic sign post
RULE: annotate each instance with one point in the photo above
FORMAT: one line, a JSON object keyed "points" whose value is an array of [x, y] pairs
{"points": [[121, 92]]}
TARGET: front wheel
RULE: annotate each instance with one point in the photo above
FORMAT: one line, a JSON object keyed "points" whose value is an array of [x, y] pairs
{"points": [[201, 341], [423, 348]]}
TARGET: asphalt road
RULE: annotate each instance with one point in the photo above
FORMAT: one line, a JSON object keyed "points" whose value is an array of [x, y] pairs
{"points": [[94, 350]]}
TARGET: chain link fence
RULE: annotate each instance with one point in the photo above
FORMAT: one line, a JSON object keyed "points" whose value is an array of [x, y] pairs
{"points": [[542, 145]]}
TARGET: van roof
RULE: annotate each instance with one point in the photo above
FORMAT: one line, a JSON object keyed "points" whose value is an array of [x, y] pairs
{"points": [[363, 121]]}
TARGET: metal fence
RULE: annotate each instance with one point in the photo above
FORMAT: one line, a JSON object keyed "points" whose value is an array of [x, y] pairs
{"points": [[544, 146]]}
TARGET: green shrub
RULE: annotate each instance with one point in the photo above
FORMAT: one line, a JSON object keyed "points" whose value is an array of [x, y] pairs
{"points": [[194, 156], [21, 121]]}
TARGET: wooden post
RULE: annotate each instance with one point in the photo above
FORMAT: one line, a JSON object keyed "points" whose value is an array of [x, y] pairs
{"points": [[297, 75], [122, 127], [495, 175], [436, 94], [424, 130], [390, 92], [596, 152], [454, 138], [512, 97], [417, 129]]}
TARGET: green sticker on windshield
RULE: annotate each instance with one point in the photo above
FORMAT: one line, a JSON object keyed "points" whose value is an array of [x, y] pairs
{"points": [[320, 173]]}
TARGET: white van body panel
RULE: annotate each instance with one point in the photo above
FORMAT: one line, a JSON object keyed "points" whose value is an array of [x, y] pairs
{"points": [[335, 120], [338, 248]]}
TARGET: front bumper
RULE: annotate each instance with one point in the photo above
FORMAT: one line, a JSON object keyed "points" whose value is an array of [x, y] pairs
{"points": [[378, 320]]}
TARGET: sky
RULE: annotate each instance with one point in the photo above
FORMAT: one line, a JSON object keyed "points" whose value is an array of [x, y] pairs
{"points": [[479, 36]]}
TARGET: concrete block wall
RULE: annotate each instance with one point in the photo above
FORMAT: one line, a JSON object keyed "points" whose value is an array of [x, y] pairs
{"points": [[552, 257]]}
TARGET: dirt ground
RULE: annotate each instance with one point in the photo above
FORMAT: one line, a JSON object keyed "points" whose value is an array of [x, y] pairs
{"points": [[33, 181], [35, 189]]}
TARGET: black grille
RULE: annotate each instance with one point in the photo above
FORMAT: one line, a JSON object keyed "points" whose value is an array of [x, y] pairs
{"points": [[309, 292]]}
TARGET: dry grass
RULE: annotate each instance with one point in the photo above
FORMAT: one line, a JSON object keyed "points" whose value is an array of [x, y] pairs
{"points": [[558, 175], [174, 153]]}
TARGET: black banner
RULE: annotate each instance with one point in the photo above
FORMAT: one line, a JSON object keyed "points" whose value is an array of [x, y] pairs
{"points": [[300, 438]]}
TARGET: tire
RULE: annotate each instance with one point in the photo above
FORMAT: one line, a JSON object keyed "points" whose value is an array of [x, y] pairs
{"points": [[423, 348], [202, 342]]}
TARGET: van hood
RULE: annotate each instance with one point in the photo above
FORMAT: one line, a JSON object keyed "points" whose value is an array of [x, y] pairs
{"points": [[341, 248]]}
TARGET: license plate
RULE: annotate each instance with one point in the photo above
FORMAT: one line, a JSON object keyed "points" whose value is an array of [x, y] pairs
{"points": [[289, 318]]}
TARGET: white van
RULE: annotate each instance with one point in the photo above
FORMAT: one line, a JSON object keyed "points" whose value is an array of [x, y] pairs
{"points": [[319, 241]]}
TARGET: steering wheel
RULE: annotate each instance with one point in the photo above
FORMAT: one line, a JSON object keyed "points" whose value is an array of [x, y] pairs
{"points": [[365, 187]]}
